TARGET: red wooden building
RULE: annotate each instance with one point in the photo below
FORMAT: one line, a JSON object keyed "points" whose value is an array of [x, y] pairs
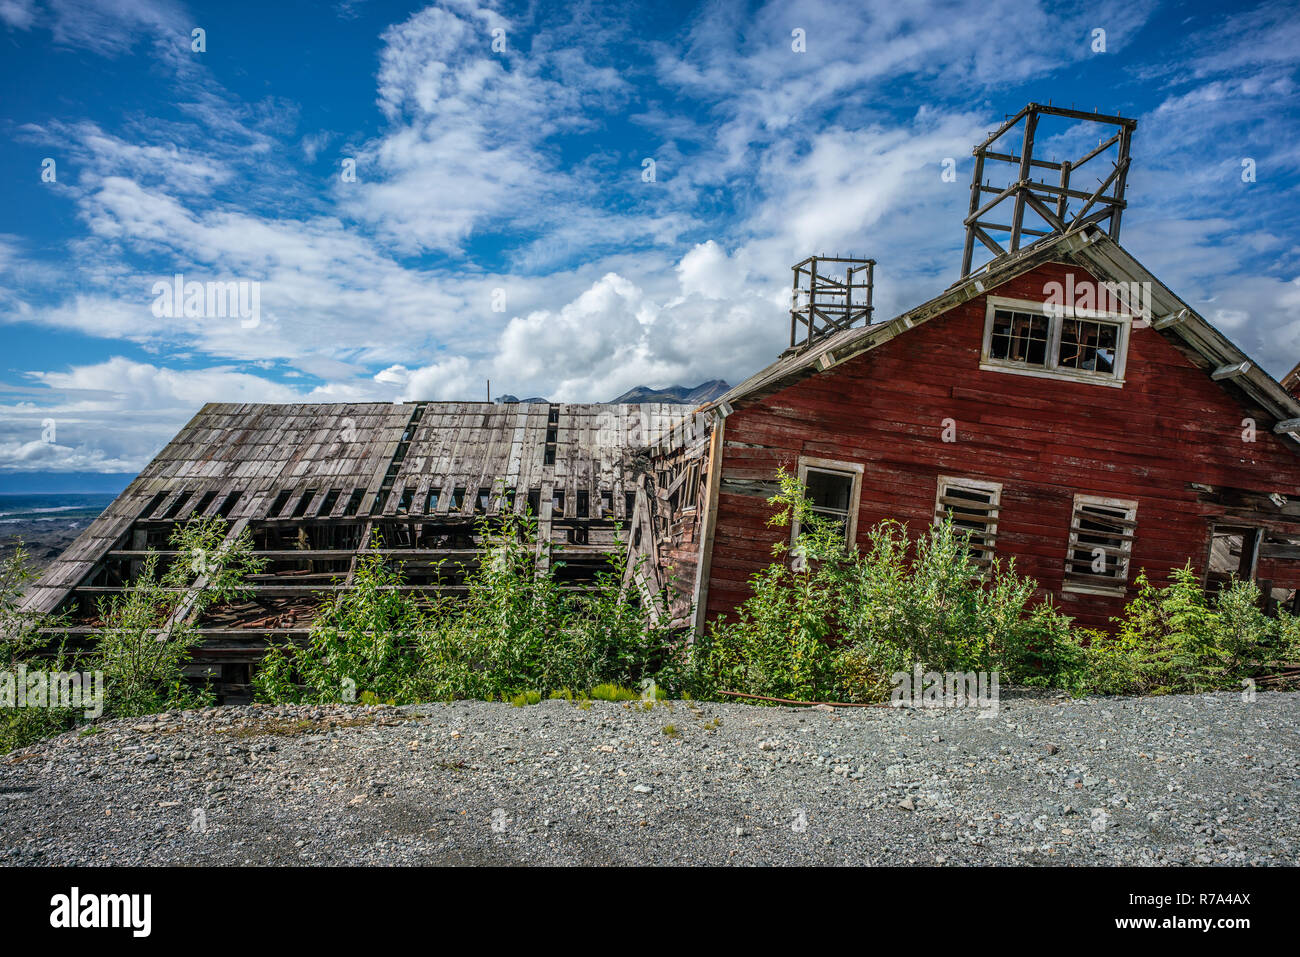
{"points": [[1086, 434]]}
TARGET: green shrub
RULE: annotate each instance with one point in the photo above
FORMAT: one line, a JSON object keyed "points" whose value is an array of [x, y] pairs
{"points": [[21, 643], [927, 601], [782, 640], [1045, 650], [147, 634], [361, 643], [143, 644], [1176, 640], [515, 631], [836, 624]]}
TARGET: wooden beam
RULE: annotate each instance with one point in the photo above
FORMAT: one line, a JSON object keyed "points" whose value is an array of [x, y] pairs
{"points": [[1026, 153], [1231, 370], [704, 564]]}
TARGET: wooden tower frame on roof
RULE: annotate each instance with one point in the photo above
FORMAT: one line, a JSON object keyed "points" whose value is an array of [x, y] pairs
{"points": [[821, 304], [1050, 202]]}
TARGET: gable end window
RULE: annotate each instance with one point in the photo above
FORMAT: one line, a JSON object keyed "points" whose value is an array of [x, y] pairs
{"points": [[973, 506], [835, 489], [1028, 339], [1101, 541]]}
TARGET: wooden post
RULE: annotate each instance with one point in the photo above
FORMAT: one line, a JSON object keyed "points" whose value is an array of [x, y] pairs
{"points": [[703, 567], [976, 182], [1026, 157]]}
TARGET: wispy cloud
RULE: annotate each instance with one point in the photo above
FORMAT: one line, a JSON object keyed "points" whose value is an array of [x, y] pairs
{"points": [[503, 222]]}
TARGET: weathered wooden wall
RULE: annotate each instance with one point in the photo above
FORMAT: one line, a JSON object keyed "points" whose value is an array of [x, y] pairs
{"points": [[1169, 428]]}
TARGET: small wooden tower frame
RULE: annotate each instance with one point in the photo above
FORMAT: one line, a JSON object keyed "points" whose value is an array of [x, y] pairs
{"points": [[822, 304], [1050, 202]]}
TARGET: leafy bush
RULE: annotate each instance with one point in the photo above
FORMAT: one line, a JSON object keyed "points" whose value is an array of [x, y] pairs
{"points": [[21, 643], [1176, 640], [143, 645], [361, 644], [147, 634], [782, 642], [936, 607], [837, 623], [516, 631]]}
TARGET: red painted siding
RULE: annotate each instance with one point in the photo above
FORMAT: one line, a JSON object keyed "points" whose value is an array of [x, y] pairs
{"points": [[1043, 439]]}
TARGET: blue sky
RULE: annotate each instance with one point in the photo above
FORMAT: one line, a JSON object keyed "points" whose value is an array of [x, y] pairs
{"points": [[500, 226]]}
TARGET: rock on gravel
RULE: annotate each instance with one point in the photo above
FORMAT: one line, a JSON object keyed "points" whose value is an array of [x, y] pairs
{"points": [[1205, 779]]}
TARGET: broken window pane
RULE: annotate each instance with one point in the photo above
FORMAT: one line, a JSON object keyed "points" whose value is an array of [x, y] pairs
{"points": [[1101, 537], [831, 494], [1019, 337], [974, 511], [1089, 345], [1232, 553]]}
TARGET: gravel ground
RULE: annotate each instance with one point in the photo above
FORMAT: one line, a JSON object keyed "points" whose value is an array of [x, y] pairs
{"points": [[1206, 779]]}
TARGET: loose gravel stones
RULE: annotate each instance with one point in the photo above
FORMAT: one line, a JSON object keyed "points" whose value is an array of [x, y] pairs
{"points": [[1204, 779]]}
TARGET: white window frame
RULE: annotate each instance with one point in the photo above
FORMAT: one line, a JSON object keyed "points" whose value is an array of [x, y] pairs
{"points": [[947, 482], [1056, 316], [1120, 588], [852, 469]]}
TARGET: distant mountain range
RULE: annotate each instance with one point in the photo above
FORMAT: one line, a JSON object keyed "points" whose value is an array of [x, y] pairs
{"points": [[677, 394], [685, 395]]}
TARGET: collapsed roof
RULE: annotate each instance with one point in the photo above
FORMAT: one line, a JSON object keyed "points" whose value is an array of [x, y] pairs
{"points": [[316, 482]]}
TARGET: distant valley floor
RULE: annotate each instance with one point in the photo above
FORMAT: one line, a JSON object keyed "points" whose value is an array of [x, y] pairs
{"points": [[46, 524]]}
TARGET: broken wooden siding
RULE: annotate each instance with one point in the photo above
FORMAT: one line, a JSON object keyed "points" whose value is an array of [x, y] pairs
{"points": [[673, 495]]}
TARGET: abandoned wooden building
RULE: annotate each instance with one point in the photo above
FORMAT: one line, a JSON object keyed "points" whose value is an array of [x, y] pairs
{"points": [[319, 486], [1064, 406], [1061, 403]]}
